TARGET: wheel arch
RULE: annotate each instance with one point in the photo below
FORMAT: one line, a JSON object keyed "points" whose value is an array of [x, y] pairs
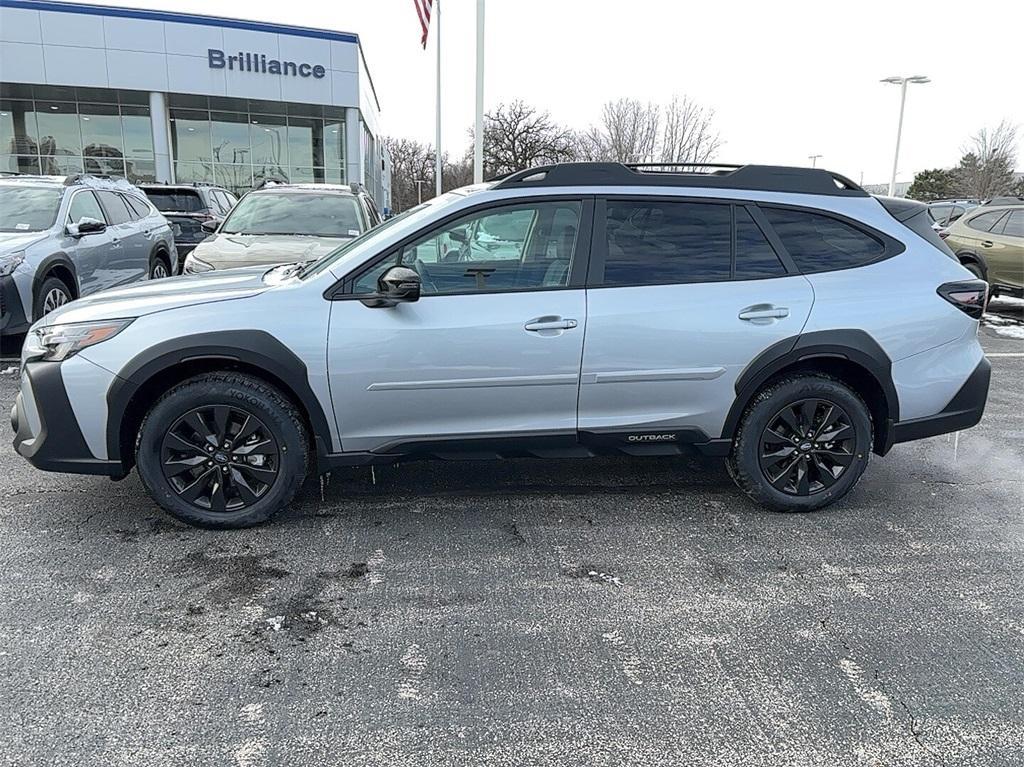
{"points": [[57, 265], [852, 356], [969, 256], [146, 377]]}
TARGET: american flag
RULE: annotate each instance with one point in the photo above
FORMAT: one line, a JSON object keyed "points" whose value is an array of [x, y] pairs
{"points": [[423, 11]]}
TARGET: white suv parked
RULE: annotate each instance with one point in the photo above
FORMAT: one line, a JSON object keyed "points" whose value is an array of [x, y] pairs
{"points": [[779, 317]]}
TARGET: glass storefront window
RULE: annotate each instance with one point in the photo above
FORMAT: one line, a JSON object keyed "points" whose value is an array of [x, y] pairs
{"points": [[190, 135], [190, 172], [237, 178], [138, 132], [16, 164], [101, 131], [269, 136], [18, 128], [334, 144], [306, 140], [104, 166], [140, 171], [59, 128], [230, 138]]}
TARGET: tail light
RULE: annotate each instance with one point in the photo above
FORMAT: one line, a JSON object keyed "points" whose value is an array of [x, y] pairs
{"points": [[943, 233], [969, 296]]}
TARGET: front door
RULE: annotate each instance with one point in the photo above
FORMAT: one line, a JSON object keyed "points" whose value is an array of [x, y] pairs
{"points": [[673, 318], [89, 252], [492, 348]]}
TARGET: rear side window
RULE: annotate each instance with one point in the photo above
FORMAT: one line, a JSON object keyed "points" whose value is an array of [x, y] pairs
{"points": [[660, 243], [115, 206], [985, 221], [820, 243], [755, 257], [138, 208]]}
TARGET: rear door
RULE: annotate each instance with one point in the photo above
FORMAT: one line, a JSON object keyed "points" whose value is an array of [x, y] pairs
{"points": [[490, 351], [122, 264], [1004, 250], [682, 295]]}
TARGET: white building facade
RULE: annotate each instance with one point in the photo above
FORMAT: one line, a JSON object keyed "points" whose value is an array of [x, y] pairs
{"points": [[172, 97]]}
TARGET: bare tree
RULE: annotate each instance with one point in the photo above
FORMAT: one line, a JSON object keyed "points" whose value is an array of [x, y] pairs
{"points": [[631, 131], [689, 134], [410, 161], [519, 136], [986, 169]]}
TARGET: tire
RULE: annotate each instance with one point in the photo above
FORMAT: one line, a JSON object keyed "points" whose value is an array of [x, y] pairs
{"points": [[159, 267], [258, 475], [976, 269], [809, 489], [51, 294]]}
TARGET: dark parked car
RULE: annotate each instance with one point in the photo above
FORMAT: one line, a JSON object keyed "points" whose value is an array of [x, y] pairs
{"points": [[187, 206]]}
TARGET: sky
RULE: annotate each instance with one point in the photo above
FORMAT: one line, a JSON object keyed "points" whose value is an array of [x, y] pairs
{"points": [[786, 79]]}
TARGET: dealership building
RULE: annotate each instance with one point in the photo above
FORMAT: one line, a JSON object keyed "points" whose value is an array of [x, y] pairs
{"points": [[174, 97]]}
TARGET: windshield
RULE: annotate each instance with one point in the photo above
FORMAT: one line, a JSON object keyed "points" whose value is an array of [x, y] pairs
{"points": [[318, 215], [318, 266], [176, 200], [28, 208]]}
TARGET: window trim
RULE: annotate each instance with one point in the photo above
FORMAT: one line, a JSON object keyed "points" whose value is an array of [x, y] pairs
{"points": [[991, 226], [106, 210], [599, 246], [341, 290]]}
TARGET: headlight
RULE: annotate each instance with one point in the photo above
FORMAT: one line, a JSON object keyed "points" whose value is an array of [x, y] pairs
{"points": [[11, 261], [194, 265], [58, 342]]}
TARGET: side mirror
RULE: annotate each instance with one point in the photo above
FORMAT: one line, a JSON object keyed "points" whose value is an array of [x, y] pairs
{"points": [[210, 226], [399, 284], [86, 226]]}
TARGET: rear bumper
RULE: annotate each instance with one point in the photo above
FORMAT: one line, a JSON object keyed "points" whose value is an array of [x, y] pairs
{"points": [[50, 438], [963, 411]]}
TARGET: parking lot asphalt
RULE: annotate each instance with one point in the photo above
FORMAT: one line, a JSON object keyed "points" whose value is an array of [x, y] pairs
{"points": [[597, 612]]}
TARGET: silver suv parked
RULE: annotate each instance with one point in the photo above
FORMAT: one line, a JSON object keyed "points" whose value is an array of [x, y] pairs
{"points": [[779, 317], [66, 237]]}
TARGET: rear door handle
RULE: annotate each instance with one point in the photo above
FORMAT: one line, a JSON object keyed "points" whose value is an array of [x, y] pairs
{"points": [[986, 243], [764, 312], [549, 323]]}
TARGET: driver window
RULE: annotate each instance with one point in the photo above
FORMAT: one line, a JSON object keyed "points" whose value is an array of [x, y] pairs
{"points": [[519, 247], [84, 205]]}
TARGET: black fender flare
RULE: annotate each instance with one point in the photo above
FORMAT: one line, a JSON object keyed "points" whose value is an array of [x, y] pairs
{"points": [[160, 247], [970, 255], [60, 258], [254, 348], [852, 345]]}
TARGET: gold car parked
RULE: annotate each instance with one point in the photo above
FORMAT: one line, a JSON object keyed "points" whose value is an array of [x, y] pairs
{"points": [[990, 242]]}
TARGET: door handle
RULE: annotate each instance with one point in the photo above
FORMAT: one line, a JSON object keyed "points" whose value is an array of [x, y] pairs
{"points": [[986, 243], [764, 312], [549, 323]]}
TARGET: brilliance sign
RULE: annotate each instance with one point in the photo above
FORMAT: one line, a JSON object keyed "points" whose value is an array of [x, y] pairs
{"points": [[260, 64]]}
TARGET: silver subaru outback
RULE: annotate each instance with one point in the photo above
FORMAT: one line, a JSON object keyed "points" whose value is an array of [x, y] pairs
{"points": [[780, 318]]}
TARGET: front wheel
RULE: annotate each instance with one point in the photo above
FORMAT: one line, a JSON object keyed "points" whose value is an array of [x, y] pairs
{"points": [[802, 443], [222, 450], [160, 268]]}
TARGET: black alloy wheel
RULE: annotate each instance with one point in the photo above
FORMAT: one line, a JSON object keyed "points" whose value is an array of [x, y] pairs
{"points": [[220, 458], [807, 446]]}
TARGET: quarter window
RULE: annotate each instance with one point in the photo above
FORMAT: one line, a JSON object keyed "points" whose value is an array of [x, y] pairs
{"points": [[755, 257], [1015, 224], [84, 205], [661, 243], [985, 221], [137, 206], [821, 243], [525, 247]]}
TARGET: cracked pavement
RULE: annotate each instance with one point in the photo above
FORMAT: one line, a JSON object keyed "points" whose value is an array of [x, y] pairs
{"points": [[598, 612]]}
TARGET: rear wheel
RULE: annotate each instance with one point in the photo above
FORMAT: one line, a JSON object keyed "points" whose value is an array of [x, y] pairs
{"points": [[160, 267], [52, 294], [802, 444], [976, 269], [222, 451]]}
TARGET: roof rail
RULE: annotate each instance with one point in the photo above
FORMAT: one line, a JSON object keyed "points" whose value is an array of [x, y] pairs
{"points": [[761, 178]]}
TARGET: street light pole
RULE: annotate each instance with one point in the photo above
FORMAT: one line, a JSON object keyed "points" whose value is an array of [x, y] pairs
{"points": [[814, 159], [419, 189], [902, 82]]}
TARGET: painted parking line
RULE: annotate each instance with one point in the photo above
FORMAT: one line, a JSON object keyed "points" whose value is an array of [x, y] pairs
{"points": [[1005, 354]]}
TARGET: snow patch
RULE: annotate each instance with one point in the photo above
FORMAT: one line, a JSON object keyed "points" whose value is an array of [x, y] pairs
{"points": [[630, 661], [250, 753], [414, 664], [876, 699], [375, 573]]}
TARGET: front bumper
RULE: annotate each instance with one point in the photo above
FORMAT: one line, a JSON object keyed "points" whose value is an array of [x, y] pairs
{"points": [[46, 432], [12, 312], [963, 411]]}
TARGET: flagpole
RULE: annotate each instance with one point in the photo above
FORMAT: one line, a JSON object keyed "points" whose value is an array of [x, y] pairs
{"points": [[437, 143], [478, 149]]}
